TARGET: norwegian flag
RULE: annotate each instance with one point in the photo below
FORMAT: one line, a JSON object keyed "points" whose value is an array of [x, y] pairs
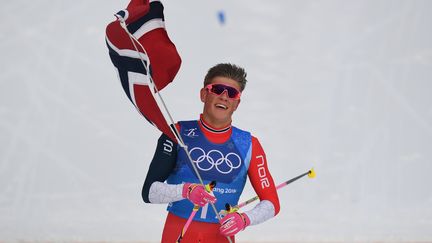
{"points": [[146, 62]]}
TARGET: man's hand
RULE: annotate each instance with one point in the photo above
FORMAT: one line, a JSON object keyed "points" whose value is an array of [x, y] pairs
{"points": [[233, 223], [197, 194]]}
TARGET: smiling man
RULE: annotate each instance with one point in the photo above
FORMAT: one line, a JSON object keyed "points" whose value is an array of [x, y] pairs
{"points": [[218, 109], [221, 153]]}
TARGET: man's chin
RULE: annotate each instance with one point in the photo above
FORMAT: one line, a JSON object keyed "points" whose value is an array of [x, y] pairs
{"points": [[222, 114]]}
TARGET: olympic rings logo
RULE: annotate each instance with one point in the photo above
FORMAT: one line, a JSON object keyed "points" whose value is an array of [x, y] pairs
{"points": [[223, 164]]}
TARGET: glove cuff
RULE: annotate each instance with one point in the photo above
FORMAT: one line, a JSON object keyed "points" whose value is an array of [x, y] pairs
{"points": [[245, 219], [187, 189]]}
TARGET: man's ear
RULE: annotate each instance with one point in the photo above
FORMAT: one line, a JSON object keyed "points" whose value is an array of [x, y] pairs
{"points": [[203, 94]]}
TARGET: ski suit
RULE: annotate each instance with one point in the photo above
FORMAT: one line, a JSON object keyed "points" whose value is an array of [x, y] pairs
{"points": [[229, 156]]}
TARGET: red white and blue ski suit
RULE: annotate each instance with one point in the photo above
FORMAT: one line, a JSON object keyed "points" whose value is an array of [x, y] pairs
{"points": [[227, 156]]}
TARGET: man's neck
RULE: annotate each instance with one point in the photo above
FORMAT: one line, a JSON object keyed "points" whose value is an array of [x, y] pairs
{"points": [[215, 135], [214, 125], [212, 128]]}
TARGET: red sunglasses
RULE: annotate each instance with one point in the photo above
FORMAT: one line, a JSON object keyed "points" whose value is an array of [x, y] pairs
{"points": [[218, 89]]}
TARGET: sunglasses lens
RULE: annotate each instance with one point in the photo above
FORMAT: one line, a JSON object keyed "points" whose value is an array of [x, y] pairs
{"points": [[232, 92], [220, 88], [217, 89]]}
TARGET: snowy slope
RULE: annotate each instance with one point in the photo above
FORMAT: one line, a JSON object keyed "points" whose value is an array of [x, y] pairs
{"points": [[341, 86]]}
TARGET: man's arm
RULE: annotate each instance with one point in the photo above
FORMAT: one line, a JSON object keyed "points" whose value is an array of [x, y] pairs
{"points": [[262, 182], [161, 166], [163, 162]]}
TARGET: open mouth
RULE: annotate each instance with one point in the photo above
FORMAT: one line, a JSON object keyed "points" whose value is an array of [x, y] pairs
{"points": [[221, 106]]}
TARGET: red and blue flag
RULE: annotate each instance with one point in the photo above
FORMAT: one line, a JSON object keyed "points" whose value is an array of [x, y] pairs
{"points": [[145, 58]]}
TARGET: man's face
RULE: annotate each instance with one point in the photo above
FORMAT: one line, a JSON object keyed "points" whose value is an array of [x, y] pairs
{"points": [[218, 109]]}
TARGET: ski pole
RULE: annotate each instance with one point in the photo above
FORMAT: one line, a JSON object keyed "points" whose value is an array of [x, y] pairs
{"points": [[188, 222], [209, 188], [229, 208]]}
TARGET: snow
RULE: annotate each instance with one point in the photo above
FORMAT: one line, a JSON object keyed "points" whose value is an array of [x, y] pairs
{"points": [[341, 86]]}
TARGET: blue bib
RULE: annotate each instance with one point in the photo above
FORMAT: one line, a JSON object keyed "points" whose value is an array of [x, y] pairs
{"points": [[225, 163]]}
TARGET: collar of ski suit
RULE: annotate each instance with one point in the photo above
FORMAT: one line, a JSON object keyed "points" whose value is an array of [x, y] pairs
{"points": [[215, 135]]}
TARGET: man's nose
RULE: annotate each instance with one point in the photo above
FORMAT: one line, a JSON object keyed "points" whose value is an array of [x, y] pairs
{"points": [[224, 94]]}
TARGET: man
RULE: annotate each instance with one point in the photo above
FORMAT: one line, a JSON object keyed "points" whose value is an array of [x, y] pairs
{"points": [[221, 153]]}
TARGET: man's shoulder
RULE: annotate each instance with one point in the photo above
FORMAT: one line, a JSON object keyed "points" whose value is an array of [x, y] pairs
{"points": [[245, 131], [252, 137], [238, 130]]}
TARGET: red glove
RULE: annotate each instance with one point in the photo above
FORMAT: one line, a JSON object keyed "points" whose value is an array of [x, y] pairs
{"points": [[233, 223], [197, 194]]}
